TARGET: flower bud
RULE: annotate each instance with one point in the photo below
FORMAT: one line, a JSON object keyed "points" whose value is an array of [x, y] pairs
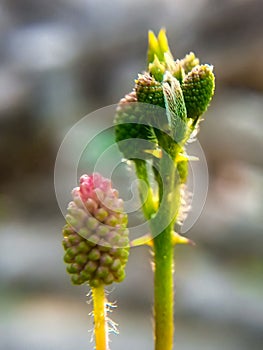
{"points": [[157, 46], [133, 133], [189, 62], [198, 89], [94, 236], [148, 90]]}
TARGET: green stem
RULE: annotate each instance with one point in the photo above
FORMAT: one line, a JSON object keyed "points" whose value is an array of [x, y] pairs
{"points": [[163, 290], [147, 201], [161, 225], [164, 254]]}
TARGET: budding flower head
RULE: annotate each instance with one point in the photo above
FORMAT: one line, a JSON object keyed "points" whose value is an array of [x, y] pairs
{"points": [[159, 55], [96, 236], [133, 131], [157, 46], [198, 88], [182, 88], [189, 62]]}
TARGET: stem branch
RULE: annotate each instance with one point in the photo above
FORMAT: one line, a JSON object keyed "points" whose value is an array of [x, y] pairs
{"points": [[142, 174]]}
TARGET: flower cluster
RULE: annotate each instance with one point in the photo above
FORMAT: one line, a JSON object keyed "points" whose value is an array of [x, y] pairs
{"points": [[96, 239], [183, 88]]}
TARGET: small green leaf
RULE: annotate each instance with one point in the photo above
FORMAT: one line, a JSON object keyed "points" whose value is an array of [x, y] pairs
{"points": [[175, 107]]}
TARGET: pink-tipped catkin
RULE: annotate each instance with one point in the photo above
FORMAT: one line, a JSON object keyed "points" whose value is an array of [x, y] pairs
{"points": [[96, 239]]}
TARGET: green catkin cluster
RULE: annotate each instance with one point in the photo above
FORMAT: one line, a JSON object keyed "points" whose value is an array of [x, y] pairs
{"points": [[182, 88], [198, 88], [132, 130], [148, 90], [95, 237]]}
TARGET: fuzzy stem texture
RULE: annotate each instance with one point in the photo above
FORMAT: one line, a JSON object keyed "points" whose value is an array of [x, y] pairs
{"points": [[100, 318], [164, 255]]}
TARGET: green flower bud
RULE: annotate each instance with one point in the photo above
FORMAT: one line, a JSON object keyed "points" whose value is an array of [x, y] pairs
{"points": [[110, 278], [103, 272], [157, 69], [106, 259], [189, 62], [91, 266], [133, 133], [157, 46], [159, 55], [198, 89], [94, 254], [116, 265], [148, 90]]}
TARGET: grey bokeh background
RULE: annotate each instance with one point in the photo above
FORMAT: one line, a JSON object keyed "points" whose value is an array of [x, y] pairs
{"points": [[59, 61]]}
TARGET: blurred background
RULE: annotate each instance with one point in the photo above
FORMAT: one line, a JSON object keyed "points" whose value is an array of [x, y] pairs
{"points": [[62, 59]]}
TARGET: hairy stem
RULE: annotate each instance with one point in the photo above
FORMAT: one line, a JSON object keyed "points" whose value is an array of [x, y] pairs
{"points": [[161, 226], [100, 321], [162, 229]]}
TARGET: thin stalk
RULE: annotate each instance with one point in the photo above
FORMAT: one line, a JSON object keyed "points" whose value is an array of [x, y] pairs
{"points": [[164, 255], [163, 290], [148, 207], [100, 320], [161, 226]]}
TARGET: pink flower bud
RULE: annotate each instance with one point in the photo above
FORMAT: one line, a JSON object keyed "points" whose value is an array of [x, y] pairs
{"points": [[96, 235]]}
